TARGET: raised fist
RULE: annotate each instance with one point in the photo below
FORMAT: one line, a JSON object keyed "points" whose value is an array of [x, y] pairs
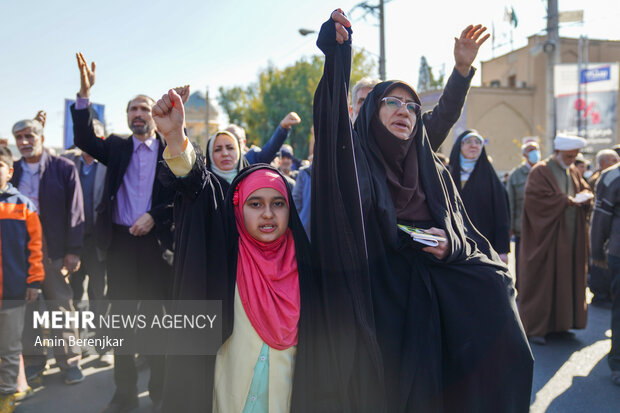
{"points": [[290, 120], [41, 117], [340, 21], [183, 91], [169, 116]]}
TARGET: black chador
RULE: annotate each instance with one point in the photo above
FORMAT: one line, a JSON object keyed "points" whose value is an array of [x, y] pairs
{"points": [[484, 196], [408, 332]]}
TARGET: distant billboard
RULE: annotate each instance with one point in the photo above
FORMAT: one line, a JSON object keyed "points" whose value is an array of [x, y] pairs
{"points": [[68, 138], [593, 113]]}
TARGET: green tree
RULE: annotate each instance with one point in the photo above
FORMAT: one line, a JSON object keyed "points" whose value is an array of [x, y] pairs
{"points": [[234, 102], [362, 65], [260, 106]]}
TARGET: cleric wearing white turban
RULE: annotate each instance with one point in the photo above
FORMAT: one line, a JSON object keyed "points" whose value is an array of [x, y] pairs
{"points": [[568, 143], [552, 288]]}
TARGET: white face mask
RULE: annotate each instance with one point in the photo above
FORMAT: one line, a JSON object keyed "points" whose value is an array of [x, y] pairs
{"points": [[588, 174]]}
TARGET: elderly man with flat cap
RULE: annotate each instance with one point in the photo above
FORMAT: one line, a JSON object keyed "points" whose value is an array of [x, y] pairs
{"points": [[553, 258]]}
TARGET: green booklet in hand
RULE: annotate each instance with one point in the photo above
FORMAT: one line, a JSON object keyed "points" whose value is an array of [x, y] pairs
{"points": [[422, 236]]}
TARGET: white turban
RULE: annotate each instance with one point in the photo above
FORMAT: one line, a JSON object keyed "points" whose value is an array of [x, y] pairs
{"points": [[568, 143]]}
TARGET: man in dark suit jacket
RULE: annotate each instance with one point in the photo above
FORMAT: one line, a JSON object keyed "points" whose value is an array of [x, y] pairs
{"points": [[52, 183], [134, 222]]}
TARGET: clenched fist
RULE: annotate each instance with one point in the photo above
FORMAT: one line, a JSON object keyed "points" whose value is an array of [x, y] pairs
{"points": [[183, 91], [169, 116], [41, 117], [290, 120], [340, 22]]}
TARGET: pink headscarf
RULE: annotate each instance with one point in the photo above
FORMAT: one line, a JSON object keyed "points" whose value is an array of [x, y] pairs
{"points": [[267, 276]]}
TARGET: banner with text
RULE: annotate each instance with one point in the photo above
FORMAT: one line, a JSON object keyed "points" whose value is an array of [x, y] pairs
{"points": [[592, 111]]}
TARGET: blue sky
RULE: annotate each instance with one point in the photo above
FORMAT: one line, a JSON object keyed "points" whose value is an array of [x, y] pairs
{"points": [[150, 46]]}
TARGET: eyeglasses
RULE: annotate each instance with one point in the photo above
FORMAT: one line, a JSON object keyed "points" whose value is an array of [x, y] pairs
{"points": [[472, 141], [394, 104]]}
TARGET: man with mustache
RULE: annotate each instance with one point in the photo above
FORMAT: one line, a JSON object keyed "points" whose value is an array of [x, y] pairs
{"points": [[134, 224], [53, 185]]}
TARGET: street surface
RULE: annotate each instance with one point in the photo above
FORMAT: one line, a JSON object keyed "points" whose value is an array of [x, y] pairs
{"points": [[571, 374]]}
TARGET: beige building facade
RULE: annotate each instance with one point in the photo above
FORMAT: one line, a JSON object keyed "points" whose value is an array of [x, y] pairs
{"points": [[510, 104], [195, 119]]}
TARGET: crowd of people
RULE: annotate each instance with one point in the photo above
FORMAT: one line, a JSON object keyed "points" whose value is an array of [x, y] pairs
{"points": [[330, 300]]}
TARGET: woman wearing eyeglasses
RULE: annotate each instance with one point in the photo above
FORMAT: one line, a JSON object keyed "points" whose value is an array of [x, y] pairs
{"points": [[483, 194], [412, 327]]}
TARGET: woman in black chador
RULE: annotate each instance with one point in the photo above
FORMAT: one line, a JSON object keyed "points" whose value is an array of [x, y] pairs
{"points": [[412, 328], [484, 196]]}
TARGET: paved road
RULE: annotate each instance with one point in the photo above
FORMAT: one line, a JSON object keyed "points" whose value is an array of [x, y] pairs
{"points": [[92, 395], [571, 374]]}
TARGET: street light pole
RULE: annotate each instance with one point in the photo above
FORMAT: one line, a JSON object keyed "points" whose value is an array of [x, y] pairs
{"points": [[381, 41], [552, 49]]}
